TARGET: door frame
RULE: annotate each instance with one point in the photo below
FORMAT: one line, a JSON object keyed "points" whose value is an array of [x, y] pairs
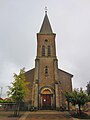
{"points": [[47, 90], [46, 101]]}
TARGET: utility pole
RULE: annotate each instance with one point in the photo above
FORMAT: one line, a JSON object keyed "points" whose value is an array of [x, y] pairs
{"points": [[1, 92]]}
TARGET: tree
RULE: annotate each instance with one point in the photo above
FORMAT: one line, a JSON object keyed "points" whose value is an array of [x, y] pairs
{"points": [[68, 99], [19, 90], [77, 97], [88, 88], [89, 98]]}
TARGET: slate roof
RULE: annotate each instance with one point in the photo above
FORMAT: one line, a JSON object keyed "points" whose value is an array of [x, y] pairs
{"points": [[46, 27]]}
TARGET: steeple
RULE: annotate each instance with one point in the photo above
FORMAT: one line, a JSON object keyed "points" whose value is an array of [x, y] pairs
{"points": [[46, 27]]}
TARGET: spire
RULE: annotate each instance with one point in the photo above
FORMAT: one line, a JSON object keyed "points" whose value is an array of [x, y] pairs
{"points": [[46, 27]]}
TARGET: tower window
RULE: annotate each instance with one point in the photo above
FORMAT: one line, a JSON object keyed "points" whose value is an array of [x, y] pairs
{"points": [[46, 40], [46, 70], [43, 50], [49, 51]]}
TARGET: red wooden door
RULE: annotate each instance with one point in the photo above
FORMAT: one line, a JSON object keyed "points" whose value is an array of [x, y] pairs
{"points": [[46, 101]]}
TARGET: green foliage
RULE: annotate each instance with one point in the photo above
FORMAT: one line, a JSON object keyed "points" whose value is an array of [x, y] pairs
{"points": [[88, 98], [88, 88], [7, 100], [68, 96], [77, 97], [19, 88], [1, 100]]}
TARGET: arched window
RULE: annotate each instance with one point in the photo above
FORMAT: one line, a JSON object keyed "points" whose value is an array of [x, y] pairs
{"points": [[49, 51], [46, 70], [43, 50]]}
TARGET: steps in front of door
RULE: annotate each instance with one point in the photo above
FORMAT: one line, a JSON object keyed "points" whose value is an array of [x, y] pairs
{"points": [[47, 112]]}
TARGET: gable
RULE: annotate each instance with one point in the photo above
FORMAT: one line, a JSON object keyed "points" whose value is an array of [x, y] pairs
{"points": [[29, 75]]}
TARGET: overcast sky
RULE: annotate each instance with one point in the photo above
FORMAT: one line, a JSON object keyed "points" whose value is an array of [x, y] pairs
{"points": [[20, 20]]}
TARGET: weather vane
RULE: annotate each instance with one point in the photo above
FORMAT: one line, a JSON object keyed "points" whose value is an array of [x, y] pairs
{"points": [[46, 10]]}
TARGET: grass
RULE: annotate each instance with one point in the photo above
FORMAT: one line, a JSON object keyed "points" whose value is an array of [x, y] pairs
{"points": [[83, 115], [6, 114]]}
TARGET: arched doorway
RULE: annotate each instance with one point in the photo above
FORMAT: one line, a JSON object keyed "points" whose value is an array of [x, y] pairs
{"points": [[46, 99]]}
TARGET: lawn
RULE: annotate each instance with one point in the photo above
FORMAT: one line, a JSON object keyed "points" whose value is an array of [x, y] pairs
{"points": [[8, 115]]}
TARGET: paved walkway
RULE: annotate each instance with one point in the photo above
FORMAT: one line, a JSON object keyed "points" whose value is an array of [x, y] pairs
{"points": [[46, 115], [39, 115]]}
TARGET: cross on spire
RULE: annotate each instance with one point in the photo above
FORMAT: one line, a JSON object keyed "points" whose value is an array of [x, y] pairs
{"points": [[46, 10]]}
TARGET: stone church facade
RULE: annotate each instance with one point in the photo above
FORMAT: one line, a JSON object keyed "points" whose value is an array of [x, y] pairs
{"points": [[48, 83]]}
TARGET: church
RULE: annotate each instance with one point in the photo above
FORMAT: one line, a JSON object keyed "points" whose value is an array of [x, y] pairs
{"points": [[48, 83]]}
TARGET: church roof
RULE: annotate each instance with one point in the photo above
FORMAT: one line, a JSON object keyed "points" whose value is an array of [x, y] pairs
{"points": [[46, 27], [66, 72]]}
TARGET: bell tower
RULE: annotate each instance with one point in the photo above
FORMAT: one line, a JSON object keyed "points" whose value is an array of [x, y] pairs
{"points": [[46, 40], [45, 86]]}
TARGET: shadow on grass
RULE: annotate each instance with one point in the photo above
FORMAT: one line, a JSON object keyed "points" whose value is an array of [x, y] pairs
{"points": [[82, 115], [17, 116], [6, 114]]}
